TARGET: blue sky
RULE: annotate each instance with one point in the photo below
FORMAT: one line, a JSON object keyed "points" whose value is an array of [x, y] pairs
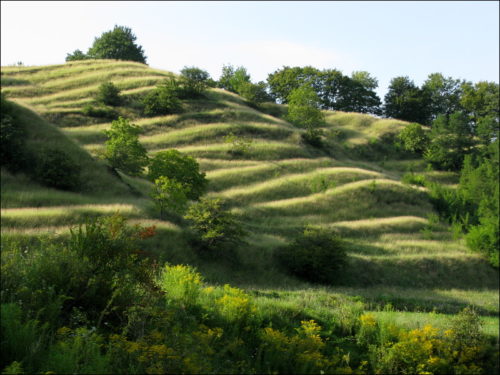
{"points": [[386, 38]]}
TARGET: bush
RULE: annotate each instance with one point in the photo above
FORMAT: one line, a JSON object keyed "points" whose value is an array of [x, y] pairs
{"points": [[315, 255], [163, 100], [108, 94], [215, 226], [169, 194], [414, 179], [99, 112], [239, 145], [414, 138], [55, 168], [194, 82], [181, 168], [123, 150]]}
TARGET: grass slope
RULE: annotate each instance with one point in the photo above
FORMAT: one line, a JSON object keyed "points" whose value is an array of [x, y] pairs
{"points": [[396, 255]]}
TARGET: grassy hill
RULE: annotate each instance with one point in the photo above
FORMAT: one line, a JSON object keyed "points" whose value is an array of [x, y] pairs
{"points": [[398, 253]]}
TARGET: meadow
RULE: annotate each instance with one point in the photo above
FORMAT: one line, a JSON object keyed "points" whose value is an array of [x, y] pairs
{"points": [[404, 267]]}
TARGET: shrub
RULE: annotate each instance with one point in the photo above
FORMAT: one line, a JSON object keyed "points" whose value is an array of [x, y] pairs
{"points": [[413, 138], [123, 150], [316, 255], [108, 94], [55, 168], [163, 100], [239, 145], [169, 194], [76, 55], [215, 226], [181, 168], [414, 179], [99, 112], [194, 81]]}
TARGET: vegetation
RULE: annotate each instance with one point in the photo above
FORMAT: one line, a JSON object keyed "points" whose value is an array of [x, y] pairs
{"points": [[123, 149], [163, 100], [133, 294], [108, 94], [181, 168]]}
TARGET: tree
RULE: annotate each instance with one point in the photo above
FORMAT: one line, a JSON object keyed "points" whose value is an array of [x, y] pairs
{"points": [[76, 55], [181, 168], [215, 226], [283, 81], [194, 81], [123, 150], [118, 44], [450, 140], [169, 194], [303, 111], [444, 94], [405, 101], [108, 94], [163, 100], [414, 138], [358, 94]]}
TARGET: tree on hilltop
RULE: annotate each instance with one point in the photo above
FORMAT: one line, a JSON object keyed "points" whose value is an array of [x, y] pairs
{"points": [[118, 44]]}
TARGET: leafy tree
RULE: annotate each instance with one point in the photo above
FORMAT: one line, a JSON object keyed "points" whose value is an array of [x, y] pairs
{"points": [[181, 168], [163, 100], [194, 81], [118, 44], [315, 255], [76, 55], [450, 141], [233, 79], [480, 100], [55, 168], [414, 138], [255, 92], [358, 94], [283, 81], [405, 101], [444, 94], [108, 94], [303, 111], [170, 194], [123, 150], [215, 226]]}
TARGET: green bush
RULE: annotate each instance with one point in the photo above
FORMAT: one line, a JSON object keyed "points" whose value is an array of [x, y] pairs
{"points": [[108, 94], [315, 255], [194, 82], [163, 100], [413, 138], [414, 179], [182, 168], [214, 226], [169, 194], [12, 138], [55, 168], [100, 111], [123, 149], [239, 144]]}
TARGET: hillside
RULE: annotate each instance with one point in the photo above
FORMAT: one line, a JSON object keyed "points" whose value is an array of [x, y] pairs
{"points": [[398, 254]]}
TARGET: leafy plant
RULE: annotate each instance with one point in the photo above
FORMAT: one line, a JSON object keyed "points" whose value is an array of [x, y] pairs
{"points": [[123, 150], [55, 168], [181, 168], [169, 194], [108, 94], [163, 100], [239, 144], [315, 255]]}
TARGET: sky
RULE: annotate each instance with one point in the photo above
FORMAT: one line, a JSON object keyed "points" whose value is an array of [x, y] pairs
{"points": [[386, 38]]}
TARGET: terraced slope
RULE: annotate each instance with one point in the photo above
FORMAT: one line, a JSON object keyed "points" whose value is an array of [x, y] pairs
{"points": [[277, 186]]}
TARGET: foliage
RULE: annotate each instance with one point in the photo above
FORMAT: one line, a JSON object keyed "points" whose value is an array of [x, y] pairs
{"points": [[194, 81], [118, 44], [123, 150], [108, 94], [315, 255], [450, 140], [55, 168], [76, 56], [239, 145], [214, 225], [444, 95], [255, 92], [181, 168], [233, 79], [405, 101], [413, 138], [169, 194], [163, 100], [283, 81], [100, 111]]}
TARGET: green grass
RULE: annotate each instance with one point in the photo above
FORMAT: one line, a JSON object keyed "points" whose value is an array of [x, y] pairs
{"points": [[280, 184]]}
